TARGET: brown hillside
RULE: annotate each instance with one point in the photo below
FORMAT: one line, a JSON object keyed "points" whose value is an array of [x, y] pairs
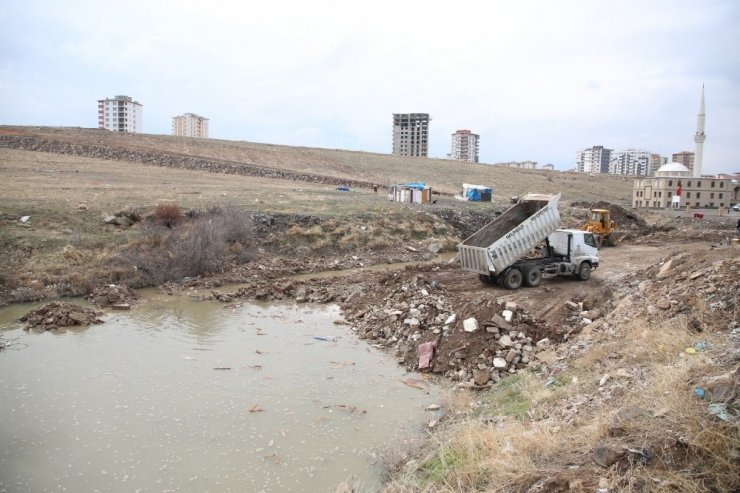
{"points": [[372, 168]]}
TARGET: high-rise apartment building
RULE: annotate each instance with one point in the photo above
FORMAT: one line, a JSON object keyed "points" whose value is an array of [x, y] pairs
{"points": [[593, 160], [465, 146], [684, 157], [411, 134], [190, 125], [120, 114], [656, 161], [629, 162]]}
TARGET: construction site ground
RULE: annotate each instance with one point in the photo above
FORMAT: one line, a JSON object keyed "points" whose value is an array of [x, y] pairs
{"points": [[657, 320]]}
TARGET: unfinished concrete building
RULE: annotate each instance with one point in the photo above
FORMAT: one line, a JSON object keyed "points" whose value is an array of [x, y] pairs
{"points": [[411, 134]]}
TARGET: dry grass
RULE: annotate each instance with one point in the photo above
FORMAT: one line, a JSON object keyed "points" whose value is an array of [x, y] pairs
{"points": [[525, 433], [384, 169]]}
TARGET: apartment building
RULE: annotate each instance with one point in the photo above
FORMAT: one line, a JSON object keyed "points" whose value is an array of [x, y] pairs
{"points": [[656, 161], [593, 160], [465, 146], [411, 134], [520, 164], [684, 157], [629, 162], [120, 114], [190, 125]]}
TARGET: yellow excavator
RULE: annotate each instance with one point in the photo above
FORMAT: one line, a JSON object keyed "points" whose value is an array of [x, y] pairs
{"points": [[603, 228]]}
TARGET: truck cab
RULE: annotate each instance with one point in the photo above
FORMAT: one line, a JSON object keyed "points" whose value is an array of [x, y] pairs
{"points": [[578, 248]]}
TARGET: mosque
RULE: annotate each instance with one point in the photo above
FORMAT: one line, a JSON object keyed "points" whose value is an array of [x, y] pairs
{"points": [[674, 186]]}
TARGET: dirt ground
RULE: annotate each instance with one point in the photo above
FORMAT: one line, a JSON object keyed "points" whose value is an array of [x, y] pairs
{"points": [[392, 269]]}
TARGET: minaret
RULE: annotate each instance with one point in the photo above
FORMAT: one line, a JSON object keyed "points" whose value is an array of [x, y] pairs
{"points": [[699, 138]]}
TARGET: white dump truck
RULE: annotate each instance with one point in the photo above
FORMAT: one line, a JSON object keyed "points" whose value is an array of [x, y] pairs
{"points": [[524, 243]]}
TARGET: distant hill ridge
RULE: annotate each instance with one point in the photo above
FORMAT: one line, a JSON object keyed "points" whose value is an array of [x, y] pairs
{"points": [[328, 166]]}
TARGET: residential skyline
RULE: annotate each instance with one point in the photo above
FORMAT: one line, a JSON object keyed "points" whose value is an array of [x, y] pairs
{"points": [[266, 74]]}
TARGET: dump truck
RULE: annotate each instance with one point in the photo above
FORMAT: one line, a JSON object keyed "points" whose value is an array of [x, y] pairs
{"points": [[524, 243], [600, 224]]}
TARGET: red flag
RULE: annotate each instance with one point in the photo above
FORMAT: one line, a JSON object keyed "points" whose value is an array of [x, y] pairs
{"points": [[678, 191]]}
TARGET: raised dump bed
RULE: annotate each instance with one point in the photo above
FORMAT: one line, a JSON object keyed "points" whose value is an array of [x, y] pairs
{"points": [[513, 234]]}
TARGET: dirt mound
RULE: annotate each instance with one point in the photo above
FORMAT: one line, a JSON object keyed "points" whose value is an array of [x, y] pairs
{"points": [[113, 295], [59, 314], [704, 287]]}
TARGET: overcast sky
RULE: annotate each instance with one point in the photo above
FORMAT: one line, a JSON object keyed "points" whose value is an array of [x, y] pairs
{"points": [[538, 80]]}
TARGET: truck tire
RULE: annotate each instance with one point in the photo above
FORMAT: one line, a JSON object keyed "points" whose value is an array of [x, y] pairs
{"points": [[532, 277], [584, 271], [513, 279], [611, 239], [487, 279]]}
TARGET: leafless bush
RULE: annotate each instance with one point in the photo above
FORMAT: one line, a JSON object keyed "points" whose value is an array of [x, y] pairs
{"points": [[167, 214], [200, 247]]}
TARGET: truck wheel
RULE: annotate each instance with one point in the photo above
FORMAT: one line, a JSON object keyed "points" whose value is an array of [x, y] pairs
{"points": [[487, 279], [513, 279], [584, 271], [611, 240], [532, 277]]}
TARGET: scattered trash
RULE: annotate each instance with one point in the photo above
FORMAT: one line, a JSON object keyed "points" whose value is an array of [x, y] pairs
{"points": [[414, 382], [644, 454], [604, 379], [426, 352], [25, 219], [550, 382], [434, 283], [720, 410], [351, 409], [343, 189], [340, 364], [256, 409], [690, 350], [432, 407], [273, 458], [701, 346], [699, 392], [222, 368], [325, 338]]}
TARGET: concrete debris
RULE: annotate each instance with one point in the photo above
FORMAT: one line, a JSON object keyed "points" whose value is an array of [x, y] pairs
{"points": [[59, 314], [117, 296], [470, 325]]}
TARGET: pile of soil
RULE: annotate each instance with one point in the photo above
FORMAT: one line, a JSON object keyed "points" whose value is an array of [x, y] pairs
{"points": [[59, 314], [112, 295]]}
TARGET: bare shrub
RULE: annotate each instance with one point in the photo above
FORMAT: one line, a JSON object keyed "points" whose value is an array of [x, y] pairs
{"points": [[200, 248], [167, 214]]}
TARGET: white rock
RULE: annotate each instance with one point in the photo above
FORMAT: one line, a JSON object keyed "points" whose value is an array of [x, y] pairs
{"points": [[470, 324], [411, 322], [451, 319], [424, 292], [499, 363], [543, 343], [506, 341], [507, 314]]}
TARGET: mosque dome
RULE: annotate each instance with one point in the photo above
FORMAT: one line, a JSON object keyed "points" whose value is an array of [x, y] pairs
{"points": [[673, 169]]}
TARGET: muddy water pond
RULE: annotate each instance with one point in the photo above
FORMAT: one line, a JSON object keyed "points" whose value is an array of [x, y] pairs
{"points": [[176, 395]]}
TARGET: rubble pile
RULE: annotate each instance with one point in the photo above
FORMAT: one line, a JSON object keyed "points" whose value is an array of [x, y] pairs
{"points": [[59, 314], [476, 346], [114, 295], [702, 288]]}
